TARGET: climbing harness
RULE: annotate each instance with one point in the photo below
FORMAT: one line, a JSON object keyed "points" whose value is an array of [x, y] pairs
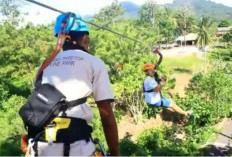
{"points": [[100, 27]]}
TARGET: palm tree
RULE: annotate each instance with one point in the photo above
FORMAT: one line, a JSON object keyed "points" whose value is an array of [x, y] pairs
{"points": [[204, 32]]}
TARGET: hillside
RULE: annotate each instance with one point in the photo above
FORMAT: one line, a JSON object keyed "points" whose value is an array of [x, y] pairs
{"points": [[131, 9], [203, 8], [198, 7]]}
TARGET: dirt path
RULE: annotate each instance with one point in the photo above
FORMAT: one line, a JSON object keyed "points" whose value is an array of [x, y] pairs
{"points": [[127, 126], [182, 81]]}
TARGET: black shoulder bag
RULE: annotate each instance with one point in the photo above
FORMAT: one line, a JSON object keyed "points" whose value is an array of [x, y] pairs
{"points": [[42, 106]]}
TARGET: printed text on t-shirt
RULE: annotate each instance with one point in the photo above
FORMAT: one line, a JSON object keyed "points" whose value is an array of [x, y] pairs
{"points": [[65, 61]]}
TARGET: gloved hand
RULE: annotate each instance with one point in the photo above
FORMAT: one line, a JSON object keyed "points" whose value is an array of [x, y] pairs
{"points": [[156, 50]]}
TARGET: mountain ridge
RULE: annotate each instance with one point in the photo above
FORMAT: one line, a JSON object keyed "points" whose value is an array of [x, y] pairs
{"points": [[131, 9], [198, 7], [203, 8]]}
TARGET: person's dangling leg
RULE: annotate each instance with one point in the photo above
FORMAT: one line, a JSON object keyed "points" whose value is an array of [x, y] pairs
{"points": [[172, 105]]}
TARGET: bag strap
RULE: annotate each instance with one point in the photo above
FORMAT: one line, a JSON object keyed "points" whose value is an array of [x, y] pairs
{"points": [[59, 44], [76, 102]]}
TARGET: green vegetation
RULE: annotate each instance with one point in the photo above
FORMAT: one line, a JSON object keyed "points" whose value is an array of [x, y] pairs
{"points": [[187, 63], [208, 96], [205, 30], [23, 49], [225, 23], [203, 8]]}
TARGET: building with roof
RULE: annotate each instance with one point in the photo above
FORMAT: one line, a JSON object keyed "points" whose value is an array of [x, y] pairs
{"points": [[191, 39], [223, 30]]}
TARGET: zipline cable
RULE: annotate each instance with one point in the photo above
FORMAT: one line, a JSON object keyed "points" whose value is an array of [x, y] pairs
{"points": [[104, 28]]}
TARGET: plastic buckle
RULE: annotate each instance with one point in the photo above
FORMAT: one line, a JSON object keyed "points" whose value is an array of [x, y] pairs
{"points": [[64, 108], [30, 149], [50, 132], [52, 124]]}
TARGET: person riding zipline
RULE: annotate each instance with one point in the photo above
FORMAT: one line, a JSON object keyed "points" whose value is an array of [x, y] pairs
{"points": [[152, 86], [76, 74]]}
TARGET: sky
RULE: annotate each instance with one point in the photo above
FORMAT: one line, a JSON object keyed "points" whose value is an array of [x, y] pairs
{"points": [[39, 15]]}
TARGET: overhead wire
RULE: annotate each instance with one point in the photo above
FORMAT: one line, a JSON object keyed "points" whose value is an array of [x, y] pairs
{"points": [[100, 27]]}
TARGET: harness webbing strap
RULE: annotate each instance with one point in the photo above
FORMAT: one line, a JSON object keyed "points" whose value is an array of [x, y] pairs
{"points": [[59, 45], [76, 102], [78, 130], [66, 149], [149, 91], [162, 103]]}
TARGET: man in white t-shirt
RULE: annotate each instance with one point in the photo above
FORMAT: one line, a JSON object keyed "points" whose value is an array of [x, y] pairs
{"points": [[152, 90], [78, 74]]}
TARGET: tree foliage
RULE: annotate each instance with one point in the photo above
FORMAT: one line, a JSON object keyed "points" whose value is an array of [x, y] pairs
{"points": [[205, 31], [148, 12], [109, 14], [21, 52], [185, 21], [228, 37], [22, 49], [225, 23]]}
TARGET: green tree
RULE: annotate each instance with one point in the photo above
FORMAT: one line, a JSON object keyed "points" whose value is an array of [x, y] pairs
{"points": [[159, 19], [205, 32], [228, 37], [21, 52], [225, 23], [11, 126], [10, 10], [185, 22], [109, 14], [167, 24], [148, 11]]}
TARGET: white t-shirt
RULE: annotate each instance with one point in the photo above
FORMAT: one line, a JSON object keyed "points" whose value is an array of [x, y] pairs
{"points": [[77, 74], [151, 97]]}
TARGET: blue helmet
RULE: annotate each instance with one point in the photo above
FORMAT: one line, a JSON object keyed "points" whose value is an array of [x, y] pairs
{"points": [[73, 23]]}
